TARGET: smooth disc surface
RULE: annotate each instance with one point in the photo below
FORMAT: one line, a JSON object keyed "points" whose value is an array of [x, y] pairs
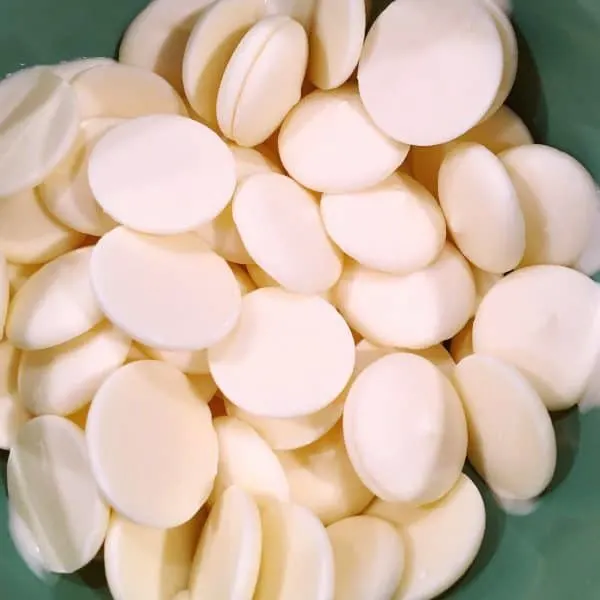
{"points": [[153, 564], [51, 486], [153, 448], [328, 143], [228, 557], [441, 539], [167, 292], [290, 355], [162, 174], [55, 305], [428, 97]]}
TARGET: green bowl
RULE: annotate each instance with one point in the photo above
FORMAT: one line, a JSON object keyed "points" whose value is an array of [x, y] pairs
{"points": [[551, 554]]}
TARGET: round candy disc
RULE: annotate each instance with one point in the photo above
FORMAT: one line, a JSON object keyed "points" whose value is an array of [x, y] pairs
{"points": [[51, 486], [409, 311], [368, 554], [428, 97], [162, 174], [125, 92], [66, 192], [323, 479], [405, 429], [482, 208], [290, 355], [62, 379], [442, 539], [542, 320], [39, 121], [153, 448], [55, 305], [337, 33], [157, 37], [328, 143], [154, 564], [297, 559], [166, 292], [247, 461], [29, 234], [557, 197], [511, 439], [263, 80], [281, 227], [229, 553], [213, 40], [396, 226]]}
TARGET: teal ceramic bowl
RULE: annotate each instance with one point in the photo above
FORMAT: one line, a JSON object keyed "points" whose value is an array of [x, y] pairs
{"points": [[551, 554]]}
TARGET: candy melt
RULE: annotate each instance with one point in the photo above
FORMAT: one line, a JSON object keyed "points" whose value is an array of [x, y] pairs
{"points": [[141, 562], [348, 153], [157, 37], [280, 226], [369, 558], [263, 80], [66, 192], [297, 559], [228, 557], [511, 438], [322, 478], [48, 476], [245, 460], [55, 305], [13, 414], [309, 375], [336, 38], [62, 379], [166, 159], [405, 429], [532, 319], [291, 433], [408, 311], [198, 285], [150, 400], [459, 44], [482, 208], [28, 234], [557, 197], [442, 539], [212, 42], [122, 91], [39, 120], [396, 226]]}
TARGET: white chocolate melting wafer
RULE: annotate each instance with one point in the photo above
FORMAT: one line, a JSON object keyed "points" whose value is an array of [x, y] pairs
{"points": [[369, 558], [39, 121], [262, 80], [314, 359], [137, 405], [162, 174], [55, 305], [511, 439], [428, 97], [142, 562], [441, 539], [197, 286], [124, 92], [51, 486], [348, 153], [405, 429], [228, 557]]}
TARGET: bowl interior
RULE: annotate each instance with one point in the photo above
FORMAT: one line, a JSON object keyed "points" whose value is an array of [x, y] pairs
{"points": [[549, 554]]}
